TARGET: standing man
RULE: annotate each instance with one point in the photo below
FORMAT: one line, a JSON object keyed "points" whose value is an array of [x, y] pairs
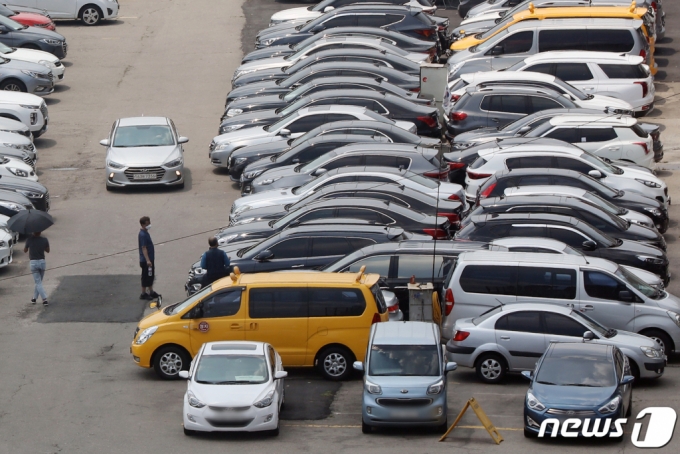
{"points": [[215, 262], [146, 259], [36, 246]]}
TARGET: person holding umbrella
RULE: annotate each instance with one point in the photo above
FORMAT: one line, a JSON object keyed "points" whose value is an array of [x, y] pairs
{"points": [[33, 222]]}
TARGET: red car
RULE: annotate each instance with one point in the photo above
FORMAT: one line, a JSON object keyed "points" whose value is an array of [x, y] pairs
{"points": [[30, 19]]}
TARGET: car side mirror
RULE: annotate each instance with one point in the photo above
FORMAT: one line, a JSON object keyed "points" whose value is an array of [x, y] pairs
{"points": [[295, 161], [328, 8], [358, 365], [595, 174], [626, 296], [627, 379], [497, 50], [278, 375], [588, 336], [182, 139], [156, 304], [524, 129], [450, 367], [284, 132], [320, 171], [265, 255], [528, 374], [184, 374], [105, 142], [589, 245]]}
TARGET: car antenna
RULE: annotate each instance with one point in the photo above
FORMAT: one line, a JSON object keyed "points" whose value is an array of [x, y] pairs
{"points": [[500, 302]]}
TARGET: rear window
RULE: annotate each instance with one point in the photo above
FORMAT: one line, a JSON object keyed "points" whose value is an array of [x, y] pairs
{"points": [[610, 40], [625, 71], [336, 302], [479, 162], [423, 18], [379, 300], [489, 279], [637, 129]]}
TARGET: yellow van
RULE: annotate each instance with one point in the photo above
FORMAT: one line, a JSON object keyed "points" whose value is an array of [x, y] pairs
{"points": [[532, 13], [312, 319]]}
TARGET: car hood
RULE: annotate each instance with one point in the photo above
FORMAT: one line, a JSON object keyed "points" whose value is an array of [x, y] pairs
{"points": [[646, 276], [229, 395], [599, 102], [645, 233], [280, 179], [248, 231], [267, 52], [475, 25], [481, 135], [145, 156], [460, 56], [230, 249], [638, 248], [278, 31], [266, 63], [252, 103], [408, 382], [262, 149], [628, 339], [257, 117], [31, 55], [15, 97], [18, 65], [565, 397], [297, 14], [264, 198], [7, 182], [40, 33], [634, 217], [632, 172], [253, 89], [669, 303], [241, 134]]}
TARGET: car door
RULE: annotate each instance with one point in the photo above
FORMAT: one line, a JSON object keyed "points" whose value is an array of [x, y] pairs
{"points": [[218, 317], [577, 74], [513, 48], [58, 9], [503, 109], [604, 298], [288, 254], [603, 142], [519, 336], [560, 328], [547, 284], [325, 250]]}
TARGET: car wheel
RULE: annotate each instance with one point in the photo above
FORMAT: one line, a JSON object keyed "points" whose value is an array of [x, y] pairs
{"points": [[529, 434], [189, 433], [491, 368], [13, 85], [334, 363], [662, 340], [91, 15], [168, 361], [634, 370], [365, 428]]}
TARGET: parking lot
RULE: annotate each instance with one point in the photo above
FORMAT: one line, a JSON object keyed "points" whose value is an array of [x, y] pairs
{"points": [[69, 384]]}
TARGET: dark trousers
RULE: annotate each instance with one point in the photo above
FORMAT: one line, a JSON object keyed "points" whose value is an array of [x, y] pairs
{"points": [[147, 281]]}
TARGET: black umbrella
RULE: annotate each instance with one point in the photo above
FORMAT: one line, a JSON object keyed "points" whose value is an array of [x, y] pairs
{"points": [[29, 221]]}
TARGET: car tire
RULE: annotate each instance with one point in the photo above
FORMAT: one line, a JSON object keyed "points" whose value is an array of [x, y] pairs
{"points": [[168, 361], [491, 368], [275, 432], [529, 434], [189, 433], [634, 370], [442, 428], [365, 428], [335, 363], [91, 15], [662, 339], [13, 85]]}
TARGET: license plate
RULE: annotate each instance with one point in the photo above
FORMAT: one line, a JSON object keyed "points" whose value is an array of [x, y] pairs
{"points": [[144, 176], [405, 414]]}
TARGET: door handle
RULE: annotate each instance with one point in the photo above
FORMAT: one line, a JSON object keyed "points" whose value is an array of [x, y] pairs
{"points": [[297, 266], [401, 286], [253, 326], [588, 307], [589, 88], [235, 325], [505, 338], [495, 120], [614, 148]]}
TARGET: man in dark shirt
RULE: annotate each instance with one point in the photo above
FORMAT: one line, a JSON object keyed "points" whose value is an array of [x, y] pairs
{"points": [[215, 262], [147, 258], [37, 246]]}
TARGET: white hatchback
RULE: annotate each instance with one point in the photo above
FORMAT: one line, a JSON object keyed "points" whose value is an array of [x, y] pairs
{"points": [[234, 387]]}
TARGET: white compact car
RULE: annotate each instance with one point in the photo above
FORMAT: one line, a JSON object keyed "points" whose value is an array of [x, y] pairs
{"points": [[617, 138], [6, 247], [35, 56], [598, 73], [91, 12], [234, 386], [14, 167], [29, 109], [586, 101], [562, 156]]}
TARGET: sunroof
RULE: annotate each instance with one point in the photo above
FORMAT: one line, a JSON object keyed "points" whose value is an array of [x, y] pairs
{"points": [[249, 347]]}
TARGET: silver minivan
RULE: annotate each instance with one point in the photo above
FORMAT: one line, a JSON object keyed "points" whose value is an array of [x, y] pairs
{"points": [[605, 291], [404, 377]]}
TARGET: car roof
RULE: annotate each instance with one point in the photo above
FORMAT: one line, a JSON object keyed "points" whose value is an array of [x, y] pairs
{"points": [[349, 138], [538, 199], [234, 348], [579, 349], [512, 89], [534, 148], [484, 76], [353, 201], [525, 241], [366, 169], [337, 226], [538, 217], [296, 277], [416, 246], [584, 56], [405, 333], [517, 307], [548, 171], [572, 191], [593, 120], [376, 7], [348, 92], [576, 23], [143, 121], [332, 108], [528, 257], [386, 147]]}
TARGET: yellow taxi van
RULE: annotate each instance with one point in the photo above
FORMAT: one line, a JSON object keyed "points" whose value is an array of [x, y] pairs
{"points": [[312, 319]]}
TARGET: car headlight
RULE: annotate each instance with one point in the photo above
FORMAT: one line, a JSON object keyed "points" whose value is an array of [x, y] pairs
{"points": [[231, 128], [675, 317], [14, 145], [193, 400], [234, 112], [611, 406], [266, 401], [242, 72], [51, 41], [253, 174], [18, 172], [268, 41], [372, 388], [114, 165], [15, 206], [436, 388], [244, 221], [199, 270], [461, 145], [31, 194], [35, 74], [242, 208], [146, 335], [650, 260], [651, 352], [642, 223], [29, 106], [222, 146], [49, 64], [174, 163], [653, 211], [2, 243], [649, 184], [534, 403], [226, 239], [269, 181]]}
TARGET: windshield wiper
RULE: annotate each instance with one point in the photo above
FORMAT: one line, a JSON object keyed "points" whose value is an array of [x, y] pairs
{"points": [[582, 385], [546, 383]]}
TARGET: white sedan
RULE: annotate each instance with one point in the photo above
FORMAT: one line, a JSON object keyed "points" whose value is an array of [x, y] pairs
{"points": [[6, 247], [234, 386], [35, 56]]}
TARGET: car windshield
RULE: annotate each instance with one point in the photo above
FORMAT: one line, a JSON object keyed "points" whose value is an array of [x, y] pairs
{"points": [[604, 204], [577, 370], [9, 23], [489, 43], [179, 307], [571, 89], [309, 185], [315, 163], [404, 360], [600, 164], [284, 220], [591, 324], [143, 136], [232, 370], [290, 108], [297, 92], [6, 49], [638, 284], [279, 124]]}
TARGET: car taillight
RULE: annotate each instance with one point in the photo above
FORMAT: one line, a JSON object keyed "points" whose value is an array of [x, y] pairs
{"points": [[453, 197], [426, 32], [477, 176], [645, 88], [438, 234], [415, 90], [458, 116], [441, 175], [487, 192], [428, 120], [654, 5], [643, 145], [448, 299], [376, 318], [456, 165], [454, 97], [460, 336], [452, 217], [643, 52], [394, 308]]}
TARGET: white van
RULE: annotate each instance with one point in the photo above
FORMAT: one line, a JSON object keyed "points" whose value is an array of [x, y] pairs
{"points": [[607, 292]]}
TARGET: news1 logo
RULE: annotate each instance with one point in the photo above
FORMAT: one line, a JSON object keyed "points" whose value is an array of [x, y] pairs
{"points": [[660, 427]]}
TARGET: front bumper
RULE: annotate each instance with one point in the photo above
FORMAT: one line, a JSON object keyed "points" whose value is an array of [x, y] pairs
{"points": [[144, 176], [653, 368], [5, 256], [430, 415], [533, 419], [251, 420]]}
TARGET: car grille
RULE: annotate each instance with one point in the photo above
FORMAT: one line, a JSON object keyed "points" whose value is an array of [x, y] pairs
{"points": [[29, 161], [43, 110], [418, 402], [218, 409], [238, 423], [50, 76], [555, 411], [132, 171], [64, 46]]}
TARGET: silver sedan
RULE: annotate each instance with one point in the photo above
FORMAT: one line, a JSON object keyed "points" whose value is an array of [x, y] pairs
{"points": [[144, 151]]}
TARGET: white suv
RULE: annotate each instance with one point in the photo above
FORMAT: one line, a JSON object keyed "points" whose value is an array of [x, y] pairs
{"points": [[552, 154], [29, 109], [602, 73], [617, 138]]}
